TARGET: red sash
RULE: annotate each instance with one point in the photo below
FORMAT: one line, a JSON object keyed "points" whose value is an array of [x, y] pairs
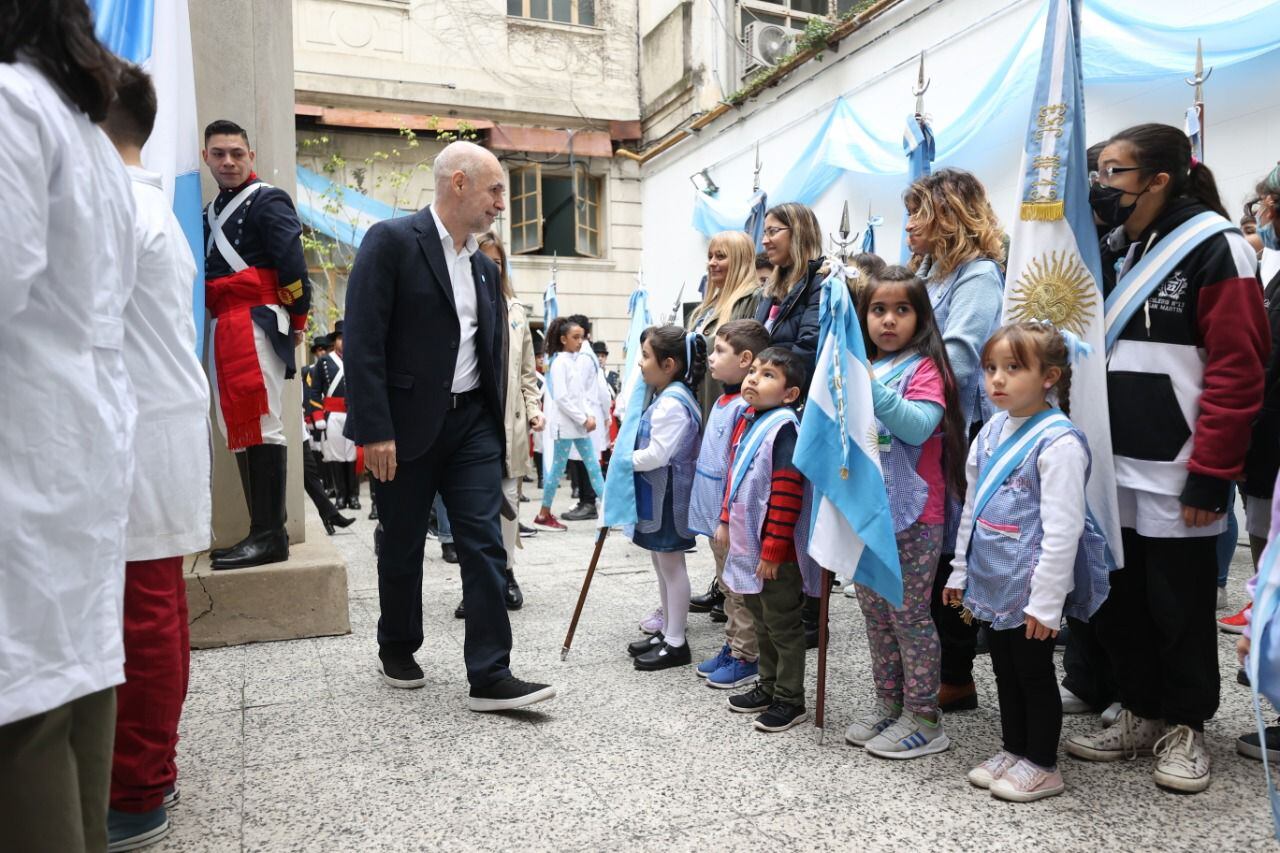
{"points": [[242, 392], [335, 404]]}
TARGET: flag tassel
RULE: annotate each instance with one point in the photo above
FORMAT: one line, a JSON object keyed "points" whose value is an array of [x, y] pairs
{"points": [[1042, 211]]}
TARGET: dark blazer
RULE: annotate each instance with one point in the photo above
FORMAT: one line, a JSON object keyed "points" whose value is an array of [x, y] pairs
{"points": [[796, 327], [401, 336]]}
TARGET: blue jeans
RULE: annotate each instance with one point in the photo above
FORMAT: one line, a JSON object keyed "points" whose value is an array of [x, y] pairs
{"points": [[1225, 546], [442, 522]]}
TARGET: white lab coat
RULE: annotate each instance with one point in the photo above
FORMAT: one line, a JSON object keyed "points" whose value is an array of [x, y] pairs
{"points": [[66, 406], [565, 400], [170, 509], [598, 397]]}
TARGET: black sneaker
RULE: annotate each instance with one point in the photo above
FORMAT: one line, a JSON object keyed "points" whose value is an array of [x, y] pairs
{"points": [[664, 657], [1250, 747], [448, 552], [648, 644], [709, 599], [460, 612], [781, 716], [581, 512], [717, 613], [526, 531], [401, 672], [810, 637], [508, 694], [1242, 677], [754, 700]]}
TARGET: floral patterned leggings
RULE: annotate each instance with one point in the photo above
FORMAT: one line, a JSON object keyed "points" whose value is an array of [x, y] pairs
{"points": [[905, 655], [560, 461]]}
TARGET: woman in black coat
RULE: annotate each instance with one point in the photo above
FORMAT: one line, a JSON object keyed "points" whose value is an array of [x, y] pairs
{"points": [[789, 307]]}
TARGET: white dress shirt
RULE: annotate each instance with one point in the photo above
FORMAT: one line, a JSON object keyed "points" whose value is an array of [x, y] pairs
{"points": [[466, 371]]}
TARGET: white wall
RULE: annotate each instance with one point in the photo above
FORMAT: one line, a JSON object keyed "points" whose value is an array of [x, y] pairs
{"points": [[879, 64]]}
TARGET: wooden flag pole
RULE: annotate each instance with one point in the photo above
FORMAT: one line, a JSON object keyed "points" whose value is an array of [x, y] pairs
{"points": [[824, 607], [582, 596]]}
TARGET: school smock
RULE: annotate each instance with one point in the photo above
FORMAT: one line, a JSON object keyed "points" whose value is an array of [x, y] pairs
{"points": [[66, 461], [169, 511], [566, 395]]}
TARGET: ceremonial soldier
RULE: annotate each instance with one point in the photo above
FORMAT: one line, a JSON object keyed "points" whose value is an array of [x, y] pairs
{"points": [[329, 381], [257, 290]]}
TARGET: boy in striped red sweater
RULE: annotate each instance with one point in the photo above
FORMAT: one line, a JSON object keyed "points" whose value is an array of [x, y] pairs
{"points": [[757, 528]]}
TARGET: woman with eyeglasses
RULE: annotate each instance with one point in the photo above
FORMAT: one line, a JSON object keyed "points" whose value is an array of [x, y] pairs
{"points": [[789, 306], [957, 248], [1186, 340]]}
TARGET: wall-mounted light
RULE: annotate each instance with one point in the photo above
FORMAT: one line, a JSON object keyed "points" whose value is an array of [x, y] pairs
{"points": [[703, 182]]}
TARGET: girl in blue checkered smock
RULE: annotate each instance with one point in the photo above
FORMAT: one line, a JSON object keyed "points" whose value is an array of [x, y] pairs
{"points": [[1027, 550], [665, 456], [917, 411]]}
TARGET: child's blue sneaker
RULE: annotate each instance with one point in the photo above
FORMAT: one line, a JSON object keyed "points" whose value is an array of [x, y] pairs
{"points": [[735, 673], [712, 664]]}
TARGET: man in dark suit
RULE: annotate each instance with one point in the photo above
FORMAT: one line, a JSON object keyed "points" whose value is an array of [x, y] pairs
{"points": [[425, 357]]}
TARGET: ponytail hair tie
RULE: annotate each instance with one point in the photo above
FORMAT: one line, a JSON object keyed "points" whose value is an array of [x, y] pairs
{"points": [[1076, 348], [1194, 162]]}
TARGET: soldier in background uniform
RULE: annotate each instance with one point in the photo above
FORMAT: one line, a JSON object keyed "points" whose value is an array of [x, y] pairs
{"points": [[257, 290], [329, 380], [314, 423]]}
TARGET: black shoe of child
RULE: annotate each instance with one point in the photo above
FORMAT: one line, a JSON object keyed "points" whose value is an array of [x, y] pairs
{"points": [[810, 637], [645, 645], [753, 701], [664, 657], [703, 603], [780, 717], [717, 613]]}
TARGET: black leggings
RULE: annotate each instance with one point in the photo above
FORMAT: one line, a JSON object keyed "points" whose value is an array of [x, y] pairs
{"points": [[1030, 705]]}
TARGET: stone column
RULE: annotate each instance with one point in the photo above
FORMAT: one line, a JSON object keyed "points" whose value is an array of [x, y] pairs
{"points": [[243, 51]]}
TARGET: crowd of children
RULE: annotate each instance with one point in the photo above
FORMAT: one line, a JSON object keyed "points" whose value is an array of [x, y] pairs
{"points": [[985, 475]]}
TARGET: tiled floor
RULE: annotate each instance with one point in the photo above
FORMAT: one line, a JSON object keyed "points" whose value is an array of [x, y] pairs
{"points": [[299, 746]]}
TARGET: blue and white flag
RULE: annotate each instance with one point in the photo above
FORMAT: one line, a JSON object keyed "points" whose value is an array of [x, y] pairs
{"points": [[550, 305], [1263, 661], [339, 212], [754, 225], [620, 483], [851, 527], [157, 36], [917, 141], [1193, 133], [869, 235], [1054, 270]]}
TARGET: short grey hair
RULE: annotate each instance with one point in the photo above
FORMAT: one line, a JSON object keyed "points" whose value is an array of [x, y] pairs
{"points": [[460, 156]]}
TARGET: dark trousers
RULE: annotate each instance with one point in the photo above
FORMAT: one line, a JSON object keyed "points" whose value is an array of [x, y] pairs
{"points": [[1089, 673], [1027, 684], [314, 485], [581, 481], [465, 467], [958, 640], [157, 664], [55, 773], [780, 634], [1158, 625]]}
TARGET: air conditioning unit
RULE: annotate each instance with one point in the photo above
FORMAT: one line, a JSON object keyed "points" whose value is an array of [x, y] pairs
{"points": [[766, 45]]}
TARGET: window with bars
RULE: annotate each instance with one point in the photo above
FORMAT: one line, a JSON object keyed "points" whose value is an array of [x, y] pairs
{"points": [[790, 13], [555, 213], [562, 11]]}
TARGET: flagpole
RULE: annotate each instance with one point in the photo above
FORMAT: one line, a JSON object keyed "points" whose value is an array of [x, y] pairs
{"points": [[824, 635], [1197, 81], [582, 595]]}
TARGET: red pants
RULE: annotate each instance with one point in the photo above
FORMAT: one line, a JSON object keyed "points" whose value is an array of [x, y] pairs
{"points": [[157, 649]]}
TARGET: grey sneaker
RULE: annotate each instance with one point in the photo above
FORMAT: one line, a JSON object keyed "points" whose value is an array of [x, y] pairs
{"points": [[992, 769], [1128, 737], [909, 737], [872, 722], [1182, 762]]}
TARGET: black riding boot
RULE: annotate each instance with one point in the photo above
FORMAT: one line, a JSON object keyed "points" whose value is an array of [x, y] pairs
{"points": [[267, 541], [242, 462]]}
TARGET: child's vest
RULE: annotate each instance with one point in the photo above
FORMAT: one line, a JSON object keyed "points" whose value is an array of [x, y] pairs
{"points": [[1004, 546], [899, 461], [651, 486], [713, 465], [749, 487]]}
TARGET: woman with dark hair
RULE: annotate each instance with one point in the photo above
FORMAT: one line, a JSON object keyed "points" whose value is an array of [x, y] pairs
{"points": [[1186, 339], [789, 305], [67, 239]]}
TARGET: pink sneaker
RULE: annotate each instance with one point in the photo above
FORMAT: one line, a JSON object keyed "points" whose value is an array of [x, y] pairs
{"points": [[1024, 782], [653, 622], [992, 769]]}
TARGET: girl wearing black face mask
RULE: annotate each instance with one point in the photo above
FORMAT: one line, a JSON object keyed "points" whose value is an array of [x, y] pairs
{"points": [[1186, 340]]}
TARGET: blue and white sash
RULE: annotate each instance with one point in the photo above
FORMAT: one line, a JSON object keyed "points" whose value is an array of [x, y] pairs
{"points": [[887, 372], [1010, 455], [750, 443], [1147, 274], [685, 397]]}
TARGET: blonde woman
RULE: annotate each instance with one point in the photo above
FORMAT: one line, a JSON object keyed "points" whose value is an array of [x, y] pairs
{"points": [[957, 248], [789, 307], [732, 294], [523, 411]]}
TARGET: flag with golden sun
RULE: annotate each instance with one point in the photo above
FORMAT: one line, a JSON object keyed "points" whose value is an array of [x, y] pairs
{"points": [[1054, 270]]}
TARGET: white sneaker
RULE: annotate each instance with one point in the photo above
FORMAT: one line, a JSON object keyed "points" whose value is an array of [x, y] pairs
{"points": [[1071, 703], [871, 723], [1128, 737], [1182, 762], [992, 769], [1024, 782], [1112, 713], [909, 737]]}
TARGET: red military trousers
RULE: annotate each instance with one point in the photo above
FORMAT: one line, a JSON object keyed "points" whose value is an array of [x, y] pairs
{"points": [[157, 649]]}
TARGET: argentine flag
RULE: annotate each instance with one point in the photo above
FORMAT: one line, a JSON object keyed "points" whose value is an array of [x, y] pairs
{"points": [[851, 529], [340, 213], [620, 482], [156, 34], [917, 142], [1054, 270], [550, 304]]}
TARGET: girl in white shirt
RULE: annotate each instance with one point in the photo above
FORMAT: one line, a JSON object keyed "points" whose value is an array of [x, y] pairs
{"points": [[573, 422], [1027, 551]]}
